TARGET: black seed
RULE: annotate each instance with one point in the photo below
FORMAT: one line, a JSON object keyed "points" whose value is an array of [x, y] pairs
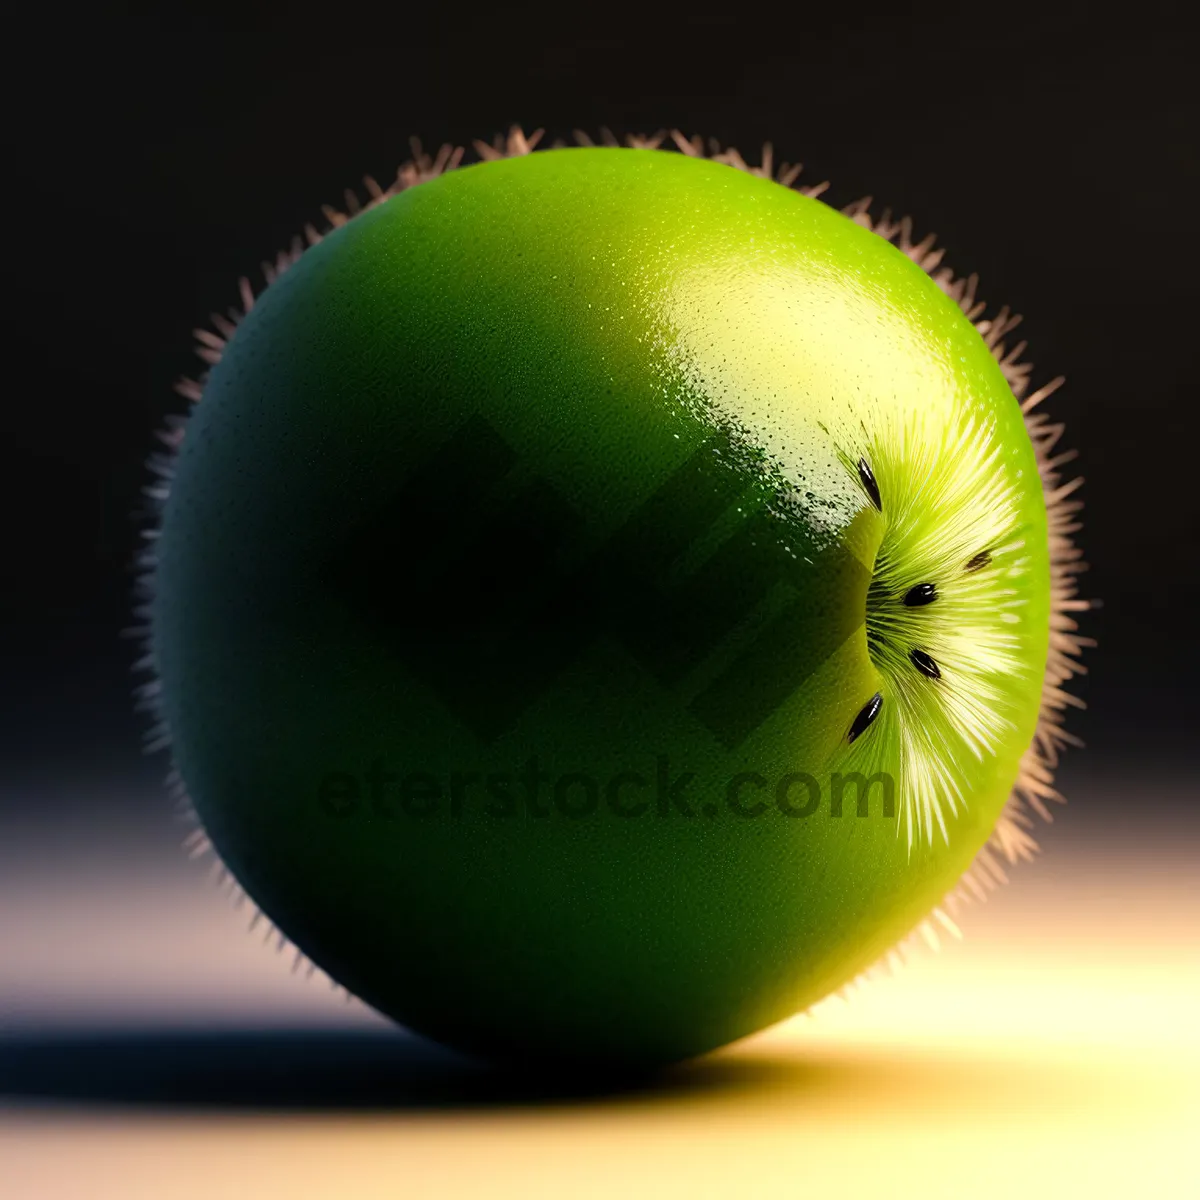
{"points": [[925, 664], [981, 560], [863, 720], [868, 481], [919, 596]]}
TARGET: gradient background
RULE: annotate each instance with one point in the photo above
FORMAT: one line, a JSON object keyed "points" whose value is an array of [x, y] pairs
{"points": [[147, 1047]]}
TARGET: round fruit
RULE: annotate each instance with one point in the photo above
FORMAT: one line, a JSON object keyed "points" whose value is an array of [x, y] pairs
{"points": [[603, 602]]}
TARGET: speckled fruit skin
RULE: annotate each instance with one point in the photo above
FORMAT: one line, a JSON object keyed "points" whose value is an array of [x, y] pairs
{"points": [[493, 474]]}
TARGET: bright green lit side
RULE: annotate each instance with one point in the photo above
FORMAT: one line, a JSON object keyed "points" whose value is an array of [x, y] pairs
{"points": [[556, 458]]}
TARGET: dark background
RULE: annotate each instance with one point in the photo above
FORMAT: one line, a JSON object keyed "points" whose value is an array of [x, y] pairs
{"points": [[1054, 151]]}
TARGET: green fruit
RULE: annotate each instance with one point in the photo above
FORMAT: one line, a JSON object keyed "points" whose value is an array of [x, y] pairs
{"points": [[554, 545]]}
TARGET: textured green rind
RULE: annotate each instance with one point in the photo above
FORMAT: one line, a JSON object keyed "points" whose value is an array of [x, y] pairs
{"points": [[611, 315]]}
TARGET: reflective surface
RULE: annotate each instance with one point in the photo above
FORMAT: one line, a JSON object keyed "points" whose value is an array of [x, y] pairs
{"points": [[151, 1048]]}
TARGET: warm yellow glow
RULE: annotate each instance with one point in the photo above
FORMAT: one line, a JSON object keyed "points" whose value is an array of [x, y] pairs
{"points": [[1054, 1052]]}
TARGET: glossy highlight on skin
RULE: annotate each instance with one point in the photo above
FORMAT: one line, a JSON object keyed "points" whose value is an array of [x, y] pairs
{"points": [[611, 465]]}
